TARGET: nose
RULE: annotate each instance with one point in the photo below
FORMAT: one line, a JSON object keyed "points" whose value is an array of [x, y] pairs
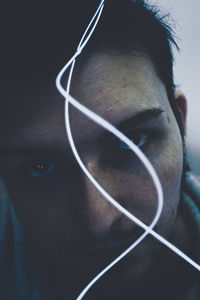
{"points": [[99, 214]]}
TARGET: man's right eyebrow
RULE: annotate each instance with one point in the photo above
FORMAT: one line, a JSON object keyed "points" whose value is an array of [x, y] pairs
{"points": [[29, 149], [140, 117]]}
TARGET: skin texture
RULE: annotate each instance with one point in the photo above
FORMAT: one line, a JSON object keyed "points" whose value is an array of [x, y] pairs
{"points": [[67, 220]]}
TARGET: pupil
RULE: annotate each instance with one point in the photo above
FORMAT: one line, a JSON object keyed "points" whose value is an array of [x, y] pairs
{"points": [[40, 168]]}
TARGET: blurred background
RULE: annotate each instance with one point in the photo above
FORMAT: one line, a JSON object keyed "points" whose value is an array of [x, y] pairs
{"points": [[187, 65]]}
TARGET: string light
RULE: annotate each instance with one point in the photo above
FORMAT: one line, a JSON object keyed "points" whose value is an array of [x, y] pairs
{"points": [[106, 125]]}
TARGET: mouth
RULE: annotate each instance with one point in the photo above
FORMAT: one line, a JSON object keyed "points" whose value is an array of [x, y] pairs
{"points": [[94, 254], [116, 242], [88, 255]]}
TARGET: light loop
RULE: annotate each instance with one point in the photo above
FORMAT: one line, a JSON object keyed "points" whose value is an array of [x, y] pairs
{"points": [[103, 123]]}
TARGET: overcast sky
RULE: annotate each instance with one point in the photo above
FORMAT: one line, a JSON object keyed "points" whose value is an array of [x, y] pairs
{"points": [[187, 66]]}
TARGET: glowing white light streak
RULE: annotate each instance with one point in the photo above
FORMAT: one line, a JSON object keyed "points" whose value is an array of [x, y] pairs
{"points": [[80, 48], [107, 196], [128, 142], [97, 119]]}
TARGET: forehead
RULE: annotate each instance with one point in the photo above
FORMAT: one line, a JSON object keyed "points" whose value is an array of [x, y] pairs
{"points": [[114, 86], [117, 87], [103, 81]]}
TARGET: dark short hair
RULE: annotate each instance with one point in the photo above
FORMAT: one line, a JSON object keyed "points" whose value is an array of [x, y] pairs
{"points": [[42, 36], [129, 25]]}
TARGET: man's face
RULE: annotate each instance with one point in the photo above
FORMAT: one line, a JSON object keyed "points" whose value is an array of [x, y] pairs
{"points": [[65, 216]]}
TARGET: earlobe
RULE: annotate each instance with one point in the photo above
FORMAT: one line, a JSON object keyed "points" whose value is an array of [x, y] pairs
{"points": [[181, 103]]}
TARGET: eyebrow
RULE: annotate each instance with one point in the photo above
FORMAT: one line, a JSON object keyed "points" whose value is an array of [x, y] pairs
{"points": [[50, 149], [140, 117], [31, 148]]}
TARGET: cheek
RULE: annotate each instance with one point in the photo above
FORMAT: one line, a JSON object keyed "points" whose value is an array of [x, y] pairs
{"points": [[44, 210], [169, 166], [136, 192], [170, 177], [48, 220], [170, 170]]}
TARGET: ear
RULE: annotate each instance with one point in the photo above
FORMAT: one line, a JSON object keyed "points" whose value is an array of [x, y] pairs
{"points": [[181, 103]]}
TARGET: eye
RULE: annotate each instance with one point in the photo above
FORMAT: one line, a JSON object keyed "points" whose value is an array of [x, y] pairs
{"points": [[41, 168], [139, 139], [118, 155]]}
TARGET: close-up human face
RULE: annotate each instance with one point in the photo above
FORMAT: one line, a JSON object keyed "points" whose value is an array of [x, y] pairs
{"points": [[62, 212]]}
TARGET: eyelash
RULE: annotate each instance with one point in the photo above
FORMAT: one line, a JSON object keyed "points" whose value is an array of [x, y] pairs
{"points": [[141, 144], [141, 138]]}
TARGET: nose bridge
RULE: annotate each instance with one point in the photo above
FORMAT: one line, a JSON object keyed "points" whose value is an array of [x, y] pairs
{"points": [[99, 213]]}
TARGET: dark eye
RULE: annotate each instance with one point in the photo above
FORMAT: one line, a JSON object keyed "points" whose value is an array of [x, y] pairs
{"points": [[41, 168], [138, 139]]}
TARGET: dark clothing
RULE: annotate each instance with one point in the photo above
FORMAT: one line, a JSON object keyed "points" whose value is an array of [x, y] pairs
{"points": [[17, 274], [18, 277]]}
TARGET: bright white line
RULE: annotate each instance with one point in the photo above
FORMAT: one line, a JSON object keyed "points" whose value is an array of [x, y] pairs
{"points": [[128, 142], [160, 204]]}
